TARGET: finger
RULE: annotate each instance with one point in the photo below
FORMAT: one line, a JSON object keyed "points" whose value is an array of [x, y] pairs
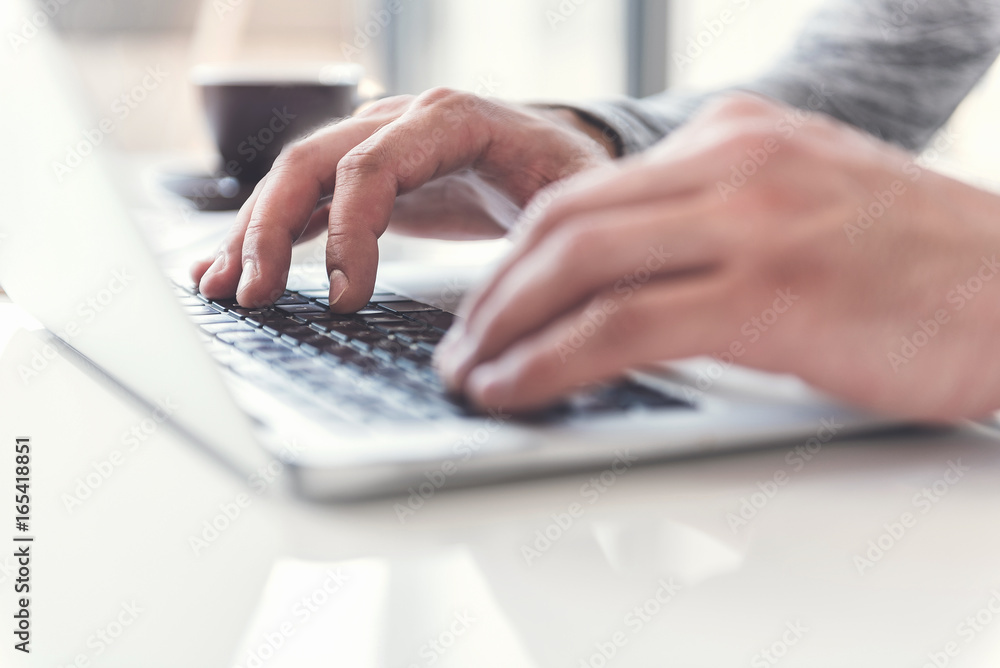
{"points": [[619, 251], [199, 268], [220, 274], [222, 284], [638, 182], [442, 133], [671, 319], [220, 278], [690, 160], [299, 178]]}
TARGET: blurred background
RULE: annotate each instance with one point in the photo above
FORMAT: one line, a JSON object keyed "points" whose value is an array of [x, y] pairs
{"points": [[516, 49]]}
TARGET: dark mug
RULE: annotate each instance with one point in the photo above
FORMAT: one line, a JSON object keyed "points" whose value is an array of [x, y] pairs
{"points": [[254, 111]]}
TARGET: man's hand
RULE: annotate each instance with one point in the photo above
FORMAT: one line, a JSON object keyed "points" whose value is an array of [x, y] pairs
{"points": [[788, 242], [444, 164]]}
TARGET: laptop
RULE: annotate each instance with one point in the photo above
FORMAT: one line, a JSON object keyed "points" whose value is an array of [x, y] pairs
{"points": [[351, 405]]}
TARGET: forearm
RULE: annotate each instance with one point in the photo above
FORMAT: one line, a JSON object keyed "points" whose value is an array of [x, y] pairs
{"points": [[869, 63]]}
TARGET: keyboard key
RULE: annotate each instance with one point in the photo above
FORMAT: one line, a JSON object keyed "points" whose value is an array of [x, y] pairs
{"points": [[311, 340], [290, 298], [315, 294], [326, 316], [204, 309], [296, 331], [245, 336], [231, 326], [225, 304], [256, 316], [298, 365], [389, 348], [312, 347], [366, 335], [326, 332], [429, 336], [439, 319], [361, 345], [248, 312], [250, 345], [342, 329], [341, 353], [405, 328], [213, 319], [269, 353], [387, 319], [387, 298], [302, 308], [409, 307], [326, 320], [279, 326]]}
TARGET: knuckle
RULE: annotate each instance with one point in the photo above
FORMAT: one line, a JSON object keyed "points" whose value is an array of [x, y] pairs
{"points": [[387, 105], [745, 137], [742, 104], [455, 106], [292, 154], [439, 95], [361, 161]]}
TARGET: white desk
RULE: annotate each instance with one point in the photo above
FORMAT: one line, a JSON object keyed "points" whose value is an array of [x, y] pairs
{"points": [[740, 591]]}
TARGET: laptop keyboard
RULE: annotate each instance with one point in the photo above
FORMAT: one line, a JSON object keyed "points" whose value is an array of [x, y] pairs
{"points": [[366, 366]]}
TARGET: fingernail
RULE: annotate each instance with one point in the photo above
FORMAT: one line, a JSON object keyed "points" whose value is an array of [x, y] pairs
{"points": [[338, 285], [249, 276], [491, 384]]}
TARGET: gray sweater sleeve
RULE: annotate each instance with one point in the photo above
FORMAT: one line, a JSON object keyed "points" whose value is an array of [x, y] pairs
{"points": [[895, 68]]}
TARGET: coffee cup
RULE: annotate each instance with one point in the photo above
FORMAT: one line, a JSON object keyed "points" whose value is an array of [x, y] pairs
{"points": [[255, 110]]}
